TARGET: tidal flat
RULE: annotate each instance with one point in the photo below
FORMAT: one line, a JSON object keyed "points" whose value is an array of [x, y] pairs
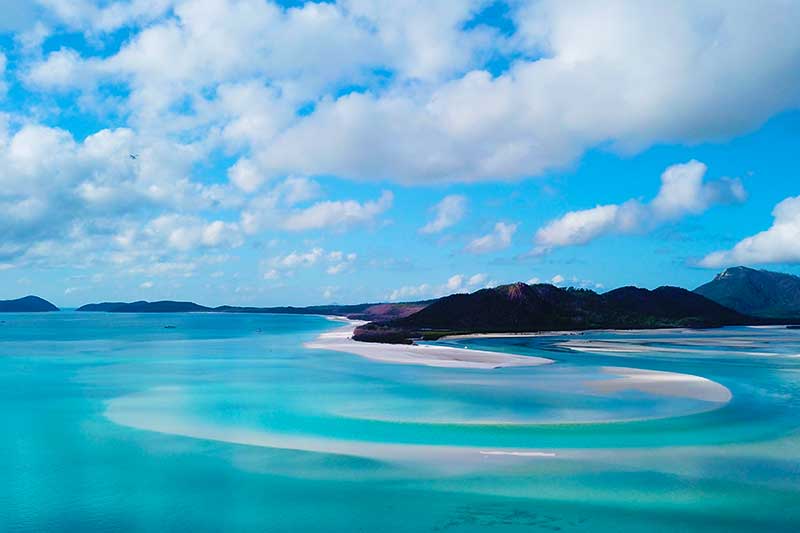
{"points": [[244, 422]]}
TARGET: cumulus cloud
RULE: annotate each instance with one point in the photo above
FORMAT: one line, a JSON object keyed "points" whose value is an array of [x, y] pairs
{"points": [[259, 63], [305, 49], [410, 292], [337, 215], [448, 212], [334, 262], [456, 283], [578, 227], [498, 239], [780, 243], [358, 89], [683, 192], [648, 86], [187, 233], [93, 188], [339, 262]]}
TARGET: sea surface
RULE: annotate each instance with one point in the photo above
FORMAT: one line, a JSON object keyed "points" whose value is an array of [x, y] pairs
{"points": [[213, 422]]}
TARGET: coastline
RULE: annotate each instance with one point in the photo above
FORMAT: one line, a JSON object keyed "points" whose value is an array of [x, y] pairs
{"points": [[566, 332], [620, 380], [340, 340]]}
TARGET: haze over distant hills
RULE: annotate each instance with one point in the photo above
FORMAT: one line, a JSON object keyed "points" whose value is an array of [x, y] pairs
{"points": [[28, 304], [523, 308], [755, 292]]}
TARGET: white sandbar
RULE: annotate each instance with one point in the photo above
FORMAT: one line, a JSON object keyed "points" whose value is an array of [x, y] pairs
{"points": [[142, 411], [341, 340], [661, 383]]}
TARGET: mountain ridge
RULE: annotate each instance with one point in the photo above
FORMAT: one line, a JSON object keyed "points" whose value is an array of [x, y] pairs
{"points": [[519, 307], [761, 293]]}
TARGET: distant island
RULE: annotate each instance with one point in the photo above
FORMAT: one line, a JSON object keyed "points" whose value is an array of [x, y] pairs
{"points": [[755, 292], [165, 306], [736, 296], [542, 307], [28, 304], [367, 311]]}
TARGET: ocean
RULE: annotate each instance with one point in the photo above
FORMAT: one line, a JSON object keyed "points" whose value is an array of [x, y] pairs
{"points": [[222, 422]]}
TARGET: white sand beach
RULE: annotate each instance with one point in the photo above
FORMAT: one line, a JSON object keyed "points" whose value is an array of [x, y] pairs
{"points": [[341, 340], [633, 379]]}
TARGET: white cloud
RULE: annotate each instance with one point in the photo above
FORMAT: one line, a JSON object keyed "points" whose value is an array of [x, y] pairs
{"points": [[297, 189], [146, 285], [780, 243], [95, 190], [270, 89], [648, 86], [247, 66], [477, 279], [302, 259], [337, 215], [340, 262], [410, 292], [683, 192], [578, 227], [186, 233], [246, 175], [62, 70], [456, 283], [574, 281], [498, 239], [448, 212], [335, 262]]}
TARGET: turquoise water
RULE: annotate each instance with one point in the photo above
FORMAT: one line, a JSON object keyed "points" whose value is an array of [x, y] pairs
{"points": [[114, 422]]}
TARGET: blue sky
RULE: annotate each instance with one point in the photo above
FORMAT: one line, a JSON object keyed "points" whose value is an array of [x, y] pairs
{"points": [[303, 153]]}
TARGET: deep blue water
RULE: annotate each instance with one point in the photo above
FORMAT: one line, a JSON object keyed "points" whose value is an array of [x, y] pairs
{"points": [[116, 423]]}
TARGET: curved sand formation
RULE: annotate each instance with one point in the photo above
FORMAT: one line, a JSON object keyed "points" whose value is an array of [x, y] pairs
{"points": [[144, 410], [341, 340]]}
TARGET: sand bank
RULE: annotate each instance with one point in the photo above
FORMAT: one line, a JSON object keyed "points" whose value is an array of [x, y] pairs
{"points": [[341, 340], [707, 347], [143, 411], [661, 383]]}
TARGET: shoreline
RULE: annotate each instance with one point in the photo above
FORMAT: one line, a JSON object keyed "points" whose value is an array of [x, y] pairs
{"points": [[340, 340], [578, 332], [570, 332], [620, 379]]}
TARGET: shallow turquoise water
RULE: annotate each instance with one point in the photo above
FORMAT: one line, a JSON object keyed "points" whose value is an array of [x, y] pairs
{"points": [[78, 393]]}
